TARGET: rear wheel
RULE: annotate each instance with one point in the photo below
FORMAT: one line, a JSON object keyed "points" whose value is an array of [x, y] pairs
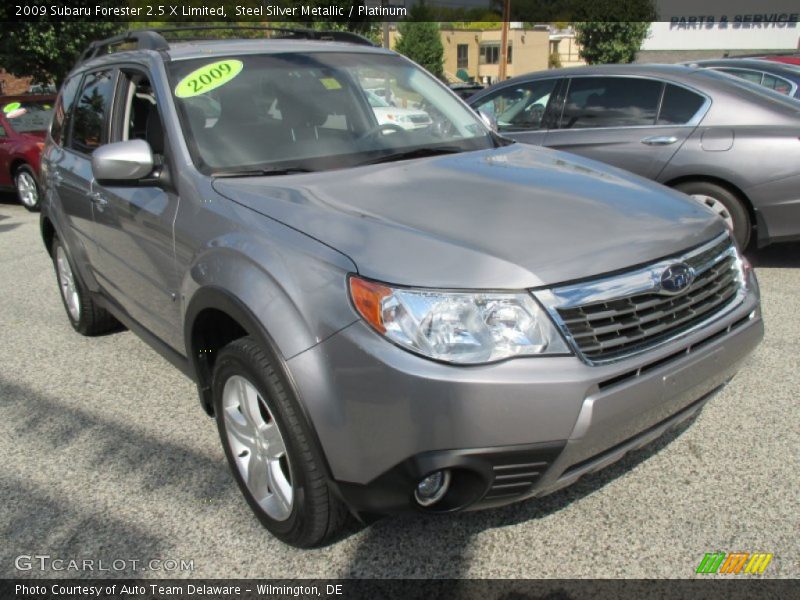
{"points": [[269, 447], [723, 202], [27, 187], [85, 316]]}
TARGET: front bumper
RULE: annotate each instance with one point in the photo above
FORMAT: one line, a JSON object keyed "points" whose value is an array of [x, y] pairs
{"points": [[512, 430]]}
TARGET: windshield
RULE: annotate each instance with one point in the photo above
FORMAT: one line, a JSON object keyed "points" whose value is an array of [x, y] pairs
{"points": [[316, 111], [26, 115]]}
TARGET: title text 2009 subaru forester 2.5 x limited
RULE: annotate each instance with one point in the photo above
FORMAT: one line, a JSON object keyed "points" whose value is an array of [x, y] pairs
{"points": [[380, 317]]}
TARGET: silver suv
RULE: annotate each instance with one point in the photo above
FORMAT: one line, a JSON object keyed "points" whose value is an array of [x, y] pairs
{"points": [[381, 318]]}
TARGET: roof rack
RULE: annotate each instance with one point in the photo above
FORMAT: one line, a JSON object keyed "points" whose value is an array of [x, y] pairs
{"points": [[153, 39], [145, 40]]}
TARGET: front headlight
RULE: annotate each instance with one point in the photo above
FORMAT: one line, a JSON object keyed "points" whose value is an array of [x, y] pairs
{"points": [[457, 327]]}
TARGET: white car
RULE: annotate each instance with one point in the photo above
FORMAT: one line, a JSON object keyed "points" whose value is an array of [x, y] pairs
{"points": [[387, 113]]}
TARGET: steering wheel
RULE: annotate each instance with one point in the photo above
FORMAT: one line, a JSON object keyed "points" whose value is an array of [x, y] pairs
{"points": [[380, 128]]}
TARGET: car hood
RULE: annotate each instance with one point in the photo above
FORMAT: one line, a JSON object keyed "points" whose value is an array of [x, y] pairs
{"points": [[508, 218]]}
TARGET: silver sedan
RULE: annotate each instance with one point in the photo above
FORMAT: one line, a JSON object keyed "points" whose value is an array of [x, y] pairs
{"points": [[731, 145]]}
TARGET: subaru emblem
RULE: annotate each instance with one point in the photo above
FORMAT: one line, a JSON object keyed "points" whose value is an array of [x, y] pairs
{"points": [[676, 278]]}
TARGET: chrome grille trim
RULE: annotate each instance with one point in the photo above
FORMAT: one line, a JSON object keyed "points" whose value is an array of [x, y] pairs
{"points": [[619, 316]]}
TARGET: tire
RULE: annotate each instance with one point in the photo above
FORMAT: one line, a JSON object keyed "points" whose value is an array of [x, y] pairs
{"points": [[85, 316], [725, 203], [27, 187], [270, 449]]}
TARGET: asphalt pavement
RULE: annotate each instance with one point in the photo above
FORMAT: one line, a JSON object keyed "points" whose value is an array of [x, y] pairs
{"points": [[107, 456]]}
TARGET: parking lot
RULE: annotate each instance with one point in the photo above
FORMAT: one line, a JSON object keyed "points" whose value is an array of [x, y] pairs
{"points": [[106, 455]]}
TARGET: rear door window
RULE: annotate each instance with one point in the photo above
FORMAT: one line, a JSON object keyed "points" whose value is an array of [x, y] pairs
{"points": [[90, 122], [610, 102], [679, 105]]}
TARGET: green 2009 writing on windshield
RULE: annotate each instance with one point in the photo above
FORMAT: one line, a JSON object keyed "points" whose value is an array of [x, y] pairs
{"points": [[207, 78]]}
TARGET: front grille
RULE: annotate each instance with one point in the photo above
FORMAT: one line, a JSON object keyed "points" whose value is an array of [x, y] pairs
{"points": [[621, 326]]}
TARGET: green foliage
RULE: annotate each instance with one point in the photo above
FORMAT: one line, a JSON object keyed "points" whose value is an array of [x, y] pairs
{"points": [[420, 41], [554, 61], [47, 50], [605, 42], [476, 25]]}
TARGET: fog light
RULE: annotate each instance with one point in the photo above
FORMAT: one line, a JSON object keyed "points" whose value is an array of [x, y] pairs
{"points": [[432, 488]]}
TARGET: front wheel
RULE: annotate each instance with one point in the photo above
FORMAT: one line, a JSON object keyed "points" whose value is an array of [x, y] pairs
{"points": [[723, 202], [27, 188], [269, 447]]}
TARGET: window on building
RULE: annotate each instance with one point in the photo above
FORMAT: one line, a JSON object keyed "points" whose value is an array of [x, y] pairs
{"points": [[89, 127], [490, 54], [462, 51], [679, 105], [610, 102]]}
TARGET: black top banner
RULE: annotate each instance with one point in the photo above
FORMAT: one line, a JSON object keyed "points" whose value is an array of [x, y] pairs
{"points": [[754, 12]]}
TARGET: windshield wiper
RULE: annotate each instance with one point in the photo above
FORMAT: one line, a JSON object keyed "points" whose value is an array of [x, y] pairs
{"points": [[416, 153], [261, 172]]}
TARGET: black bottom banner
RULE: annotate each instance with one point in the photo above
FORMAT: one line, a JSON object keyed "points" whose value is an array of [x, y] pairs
{"points": [[405, 589]]}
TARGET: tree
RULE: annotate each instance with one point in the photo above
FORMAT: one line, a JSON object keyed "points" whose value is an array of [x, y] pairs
{"points": [[421, 41], [605, 42], [612, 31], [47, 50]]}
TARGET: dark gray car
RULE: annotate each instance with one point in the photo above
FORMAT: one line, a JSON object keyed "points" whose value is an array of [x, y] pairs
{"points": [[381, 319], [781, 77], [730, 144]]}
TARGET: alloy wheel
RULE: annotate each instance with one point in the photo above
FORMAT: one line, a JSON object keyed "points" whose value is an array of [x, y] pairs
{"points": [[27, 190], [258, 447], [717, 206], [66, 281]]}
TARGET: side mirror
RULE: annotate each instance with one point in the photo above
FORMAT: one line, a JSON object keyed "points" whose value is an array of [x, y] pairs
{"points": [[129, 161], [490, 120]]}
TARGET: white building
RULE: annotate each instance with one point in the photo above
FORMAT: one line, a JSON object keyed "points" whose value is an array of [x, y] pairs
{"points": [[694, 37]]}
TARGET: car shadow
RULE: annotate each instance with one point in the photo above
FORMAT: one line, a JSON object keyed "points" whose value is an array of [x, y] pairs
{"points": [[438, 546], [8, 198], [778, 256], [36, 518]]}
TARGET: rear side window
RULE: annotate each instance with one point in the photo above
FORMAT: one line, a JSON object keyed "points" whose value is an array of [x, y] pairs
{"points": [[94, 100], [610, 102], [753, 76], [679, 105], [63, 110], [779, 84]]}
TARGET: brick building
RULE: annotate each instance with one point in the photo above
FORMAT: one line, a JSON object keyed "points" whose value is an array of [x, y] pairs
{"points": [[11, 86]]}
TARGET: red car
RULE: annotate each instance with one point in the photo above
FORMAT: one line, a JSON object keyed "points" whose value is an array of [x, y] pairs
{"points": [[789, 60], [24, 121]]}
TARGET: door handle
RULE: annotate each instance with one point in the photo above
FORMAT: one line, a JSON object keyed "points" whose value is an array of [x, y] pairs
{"points": [[98, 198], [660, 140]]}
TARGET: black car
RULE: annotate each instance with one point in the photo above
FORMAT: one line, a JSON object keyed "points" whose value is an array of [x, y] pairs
{"points": [[466, 89], [781, 77]]}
